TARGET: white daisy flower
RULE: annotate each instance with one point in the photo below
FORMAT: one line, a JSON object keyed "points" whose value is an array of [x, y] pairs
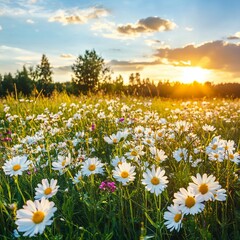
{"points": [[16, 166], [124, 173], [220, 195], [154, 180], [92, 166], [208, 128], [35, 216], [118, 160], [180, 154], [135, 153], [204, 186], [234, 157], [216, 156], [173, 218], [77, 177], [158, 154], [62, 163], [188, 202], [46, 189]]}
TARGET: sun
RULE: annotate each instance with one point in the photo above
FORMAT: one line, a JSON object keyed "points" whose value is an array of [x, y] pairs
{"points": [[191, 74]]}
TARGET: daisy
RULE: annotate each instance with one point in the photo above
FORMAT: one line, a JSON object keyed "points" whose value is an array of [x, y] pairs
{"points": [[208, 128], [220, 195], [180, 154], [154, 180], [92, 166], [77, 177], [62, 163], [16, 165], [160, 134], [188, 202], [216, 156], [204, 186], [234, 157], [182, 126], [46, 189], [135, 153], [124, 173], [158, 154], [214, 145], [118, 160], [116, 138], [173, 218], [35, 216]]}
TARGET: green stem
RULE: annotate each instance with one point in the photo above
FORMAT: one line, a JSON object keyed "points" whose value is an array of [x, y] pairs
{"points": [[16, 181]]}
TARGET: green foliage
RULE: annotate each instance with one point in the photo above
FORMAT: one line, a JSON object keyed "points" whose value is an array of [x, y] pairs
{"points": [[89, 69], [78, 126]]}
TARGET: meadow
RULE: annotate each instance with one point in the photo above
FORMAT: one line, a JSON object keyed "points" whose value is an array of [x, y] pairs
{"points": [[100, 167]]}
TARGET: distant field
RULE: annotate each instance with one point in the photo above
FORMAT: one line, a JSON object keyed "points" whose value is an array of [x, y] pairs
{"points": [[105, 167]]}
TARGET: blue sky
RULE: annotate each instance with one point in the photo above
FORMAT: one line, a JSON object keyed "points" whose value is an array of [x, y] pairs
{"points": [[181, 40]]}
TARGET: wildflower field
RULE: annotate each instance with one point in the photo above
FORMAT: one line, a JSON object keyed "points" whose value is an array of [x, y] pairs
{"points": [[119, 168]]}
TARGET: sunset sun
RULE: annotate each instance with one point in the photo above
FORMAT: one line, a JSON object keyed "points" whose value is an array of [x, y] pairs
{"points": [[191, 74]]}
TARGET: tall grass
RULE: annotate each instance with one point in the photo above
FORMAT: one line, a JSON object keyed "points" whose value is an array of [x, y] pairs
{"points": [[45, 128]]}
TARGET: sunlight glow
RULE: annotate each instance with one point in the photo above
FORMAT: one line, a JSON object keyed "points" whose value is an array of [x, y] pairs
{"points": [[191, 74]]}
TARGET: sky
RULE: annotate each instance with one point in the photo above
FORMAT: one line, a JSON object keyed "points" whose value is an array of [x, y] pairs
{"points": [[175, 40]]}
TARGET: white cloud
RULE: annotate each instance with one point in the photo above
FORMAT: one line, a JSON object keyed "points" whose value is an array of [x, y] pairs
{"points": [[1, 28], [189, 29], [30, 21], [77, 16], [67, 55]]}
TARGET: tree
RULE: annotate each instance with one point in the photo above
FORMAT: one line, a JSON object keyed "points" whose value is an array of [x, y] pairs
{"points": [[23, 82], [44, 72], [89, 70], [8, 84], [43, 75]]}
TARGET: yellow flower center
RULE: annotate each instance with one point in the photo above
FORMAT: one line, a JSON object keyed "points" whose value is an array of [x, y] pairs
{"points": [[155, 181], [47, 191], [214, 146], [16, 167], [119, 163], [63, 163], [160, 134], [181, 155], [92, 167], [216, 155], [190, 202], [38, 217], [134, 153], [231, 156], [148, 141], [115, 140], [177, 217], [203, 188], [124, 174]]}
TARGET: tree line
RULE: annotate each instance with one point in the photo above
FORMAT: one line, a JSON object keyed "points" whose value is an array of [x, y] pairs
{"points": [[92, 75]]}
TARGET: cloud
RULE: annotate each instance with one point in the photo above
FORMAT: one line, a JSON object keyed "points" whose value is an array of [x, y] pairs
{"points": [[30, 21], [147, 25], [63, 69], [124, 66], [78, 16], [32, 1], [1, 28], [189, 29], [236, 36], [216, 55], [67, 55]]}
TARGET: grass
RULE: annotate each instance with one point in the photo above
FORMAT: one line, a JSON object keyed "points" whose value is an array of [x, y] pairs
{"points": [[50, 131]]}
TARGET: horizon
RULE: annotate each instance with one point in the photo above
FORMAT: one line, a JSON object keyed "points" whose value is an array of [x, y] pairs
{"points": [[162, 40]]}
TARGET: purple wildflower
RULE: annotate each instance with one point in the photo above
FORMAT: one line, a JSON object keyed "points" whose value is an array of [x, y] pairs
{"points": [[108, 186]]}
